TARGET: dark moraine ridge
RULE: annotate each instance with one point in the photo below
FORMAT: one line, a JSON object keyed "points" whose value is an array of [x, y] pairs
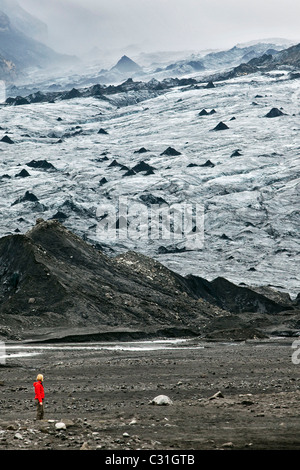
{"points": [[56, 286]]}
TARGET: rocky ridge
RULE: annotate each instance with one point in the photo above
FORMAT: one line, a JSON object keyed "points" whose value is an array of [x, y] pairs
{"points": [[132, 92]]}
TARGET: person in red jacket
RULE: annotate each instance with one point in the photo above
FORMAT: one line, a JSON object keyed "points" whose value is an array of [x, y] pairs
{"points": [[39, 396]]}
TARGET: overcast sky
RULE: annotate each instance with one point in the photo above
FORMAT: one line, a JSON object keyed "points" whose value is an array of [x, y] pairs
{"points": [[151, 25]]}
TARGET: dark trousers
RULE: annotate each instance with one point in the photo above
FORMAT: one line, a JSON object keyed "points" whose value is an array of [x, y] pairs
{"points": [[39, 410]]}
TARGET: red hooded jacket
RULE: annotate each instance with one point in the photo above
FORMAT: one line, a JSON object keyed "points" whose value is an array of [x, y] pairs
{"points": [[39, 391]]}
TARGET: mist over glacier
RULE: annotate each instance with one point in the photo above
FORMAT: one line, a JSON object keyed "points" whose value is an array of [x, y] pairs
{"points": [[76, 27]]}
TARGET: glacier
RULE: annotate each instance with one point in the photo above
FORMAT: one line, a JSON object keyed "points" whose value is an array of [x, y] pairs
{"points": [[249, 193]]}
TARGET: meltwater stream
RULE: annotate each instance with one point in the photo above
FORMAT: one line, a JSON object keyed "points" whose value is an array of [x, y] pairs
{"points": [[8, 351]]}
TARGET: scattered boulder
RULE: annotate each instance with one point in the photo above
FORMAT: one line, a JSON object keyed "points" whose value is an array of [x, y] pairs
{"points": [[161, 400], [217, 395], [85, 446], [227, 445], [60, 426]]}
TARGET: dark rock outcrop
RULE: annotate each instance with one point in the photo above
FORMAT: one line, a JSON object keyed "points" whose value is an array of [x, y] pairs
{"points": [[23, 174], [7, 140], [171, 152], [41, 165], [102, 181], [206, 113], [237, 299], [236, 153], [208, 163], [141, 150], [142, 166], [28, 197], [274, 112]]}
